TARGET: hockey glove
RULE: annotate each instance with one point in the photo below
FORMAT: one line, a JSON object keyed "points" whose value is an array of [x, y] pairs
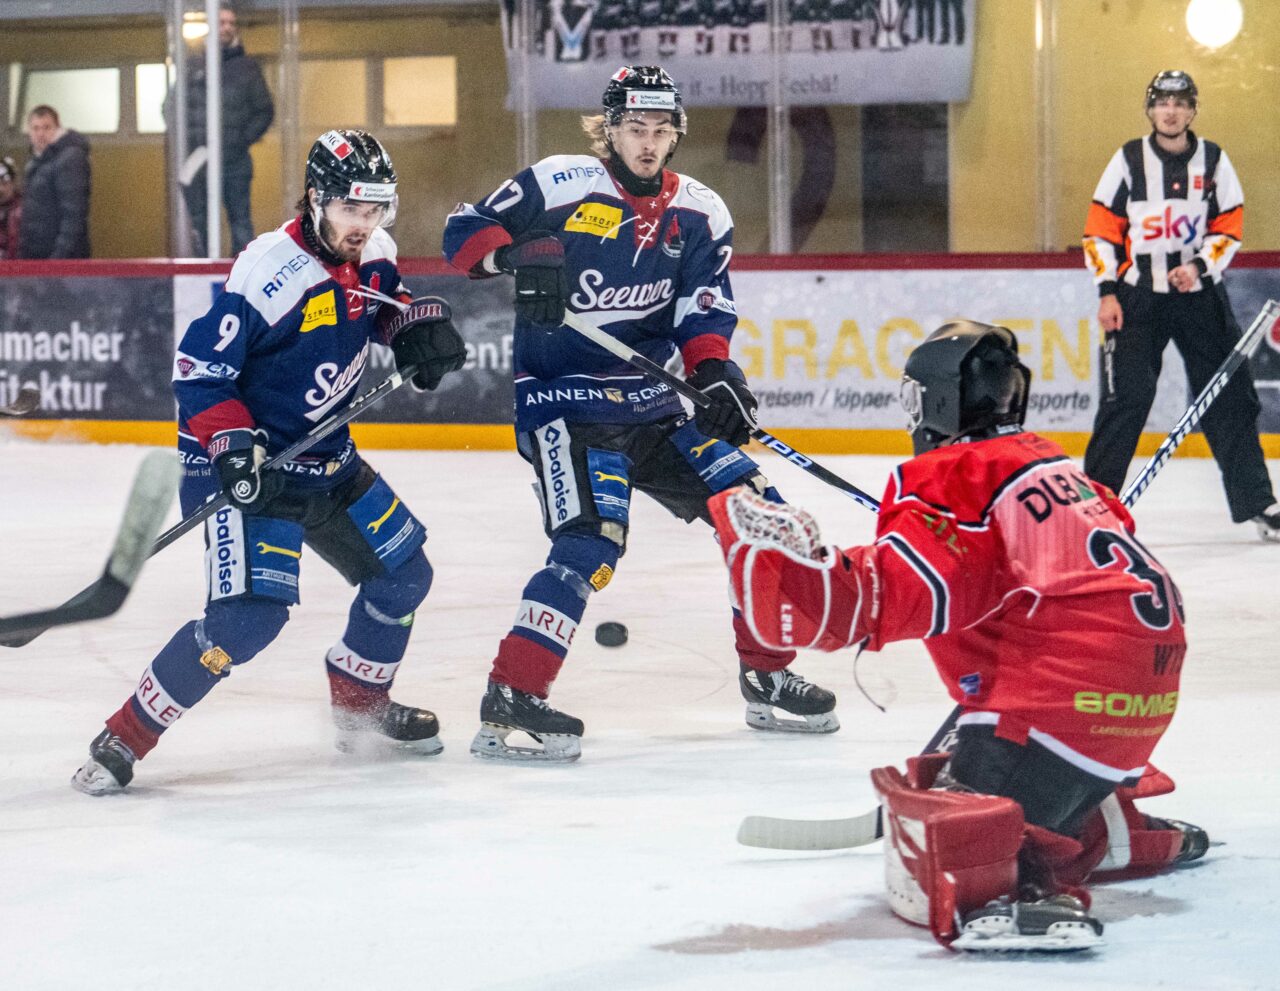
{"points": [[423, 337], [537, 261], [732, 414], [237, 457]]}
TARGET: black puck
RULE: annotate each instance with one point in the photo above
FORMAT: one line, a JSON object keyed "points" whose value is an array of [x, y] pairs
{"points": [[611, 634]]}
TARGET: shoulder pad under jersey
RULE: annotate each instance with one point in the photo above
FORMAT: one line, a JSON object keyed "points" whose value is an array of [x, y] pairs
{"points": [[273, 273], [964, 478], [380, 246], [565, 179], [693, 195]]}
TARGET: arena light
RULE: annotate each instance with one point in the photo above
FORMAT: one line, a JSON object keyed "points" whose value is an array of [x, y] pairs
{"points": [[1214, 23], [195, 27]]}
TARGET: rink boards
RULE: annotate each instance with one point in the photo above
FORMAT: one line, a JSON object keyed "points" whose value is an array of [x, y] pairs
{"points": [[822, 339]]}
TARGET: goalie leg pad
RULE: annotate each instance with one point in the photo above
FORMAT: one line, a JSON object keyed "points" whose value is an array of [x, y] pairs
{"points": [[1125, 843], [946, 853]]}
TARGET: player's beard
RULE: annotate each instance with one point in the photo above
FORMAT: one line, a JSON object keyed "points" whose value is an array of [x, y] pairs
{"points": [[347, 249]]}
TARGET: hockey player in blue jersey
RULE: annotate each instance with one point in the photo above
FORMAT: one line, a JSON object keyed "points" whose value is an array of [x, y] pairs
{"points": [[282, 349], [643, 253]]}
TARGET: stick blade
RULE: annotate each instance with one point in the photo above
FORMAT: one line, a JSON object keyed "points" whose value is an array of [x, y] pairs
{"points": [[149, 499], [27, 401], [770, 833], [153, 490]]}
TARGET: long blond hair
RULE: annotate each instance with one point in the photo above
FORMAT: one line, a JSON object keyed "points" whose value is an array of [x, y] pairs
{"points": [[593, 126]]}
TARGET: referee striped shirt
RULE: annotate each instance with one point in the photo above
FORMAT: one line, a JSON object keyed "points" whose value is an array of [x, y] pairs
{"points": [[1153, 211]]}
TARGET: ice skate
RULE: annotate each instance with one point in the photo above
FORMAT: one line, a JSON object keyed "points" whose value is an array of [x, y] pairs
{"points": [[1053, 925], [399, 727], [1195, 841], [766, 691], [109, 767], [1268, 522], [506, 710]]}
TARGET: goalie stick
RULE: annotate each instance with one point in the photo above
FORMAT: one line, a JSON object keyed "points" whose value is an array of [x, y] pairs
{"points": [[773, 833], [27, 401], [633, 357], [153, 490], [1266, 319], [358, 406]]}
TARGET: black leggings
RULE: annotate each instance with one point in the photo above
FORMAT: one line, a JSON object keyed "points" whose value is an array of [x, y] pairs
{"points": [[1052, 793]]}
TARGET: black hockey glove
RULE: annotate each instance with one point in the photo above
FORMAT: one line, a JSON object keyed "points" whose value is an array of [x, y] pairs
{"points": [[423, 336], [237, 457], [732, 414], [536, 259]]}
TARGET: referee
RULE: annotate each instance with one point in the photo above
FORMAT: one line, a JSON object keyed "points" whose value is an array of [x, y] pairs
{"points": [[1165, 221]]}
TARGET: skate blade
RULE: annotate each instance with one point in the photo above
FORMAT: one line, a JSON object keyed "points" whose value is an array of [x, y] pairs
{"points": [[1062, 937], [490, 743], [763, 717], [94, 779], [371, 744]]}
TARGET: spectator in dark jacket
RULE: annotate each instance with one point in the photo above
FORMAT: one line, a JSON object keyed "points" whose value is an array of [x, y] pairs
{"points": [[55, 206], [10, 209], [247, 112]]}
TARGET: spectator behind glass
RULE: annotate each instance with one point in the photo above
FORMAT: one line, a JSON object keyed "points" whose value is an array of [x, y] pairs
{"points": [[55, 208], [247, 112], [10, 209]]}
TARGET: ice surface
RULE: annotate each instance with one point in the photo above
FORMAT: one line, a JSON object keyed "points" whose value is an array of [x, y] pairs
{"points": [[249, 854]]}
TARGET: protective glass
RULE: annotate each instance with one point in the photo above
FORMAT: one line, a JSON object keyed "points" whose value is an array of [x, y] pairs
{"points": [[369, 205]]}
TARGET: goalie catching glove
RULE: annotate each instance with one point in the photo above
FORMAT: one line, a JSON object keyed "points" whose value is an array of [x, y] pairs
{"points": [[422, 337], [537, 261], [792, 591], [731, 416]]}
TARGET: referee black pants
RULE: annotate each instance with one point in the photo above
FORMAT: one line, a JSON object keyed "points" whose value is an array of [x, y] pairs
{"points": [[1203, 330]]}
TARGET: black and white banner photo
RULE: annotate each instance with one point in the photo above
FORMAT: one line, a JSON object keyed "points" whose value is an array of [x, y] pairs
{"points": [[719, 51]]}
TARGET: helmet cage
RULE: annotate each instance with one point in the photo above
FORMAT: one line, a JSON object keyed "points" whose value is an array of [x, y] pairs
{"points": [[964, 379]]}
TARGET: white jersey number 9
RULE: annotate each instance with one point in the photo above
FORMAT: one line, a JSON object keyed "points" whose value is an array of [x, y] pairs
{"points": [[227, 331]]}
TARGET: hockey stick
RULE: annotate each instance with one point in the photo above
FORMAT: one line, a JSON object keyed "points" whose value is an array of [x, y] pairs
{"points": [[833, 834], [149, 499], [358, 406], [27, 401], [1268, 316], [634, 358]]}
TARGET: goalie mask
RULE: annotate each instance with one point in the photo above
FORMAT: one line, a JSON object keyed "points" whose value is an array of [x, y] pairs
{"points": [[350, 168], [965, 379]]}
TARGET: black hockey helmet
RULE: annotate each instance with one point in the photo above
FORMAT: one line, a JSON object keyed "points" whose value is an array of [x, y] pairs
{"points": [[641, 88], [352, 165], [965, 378], [1172, 82]]}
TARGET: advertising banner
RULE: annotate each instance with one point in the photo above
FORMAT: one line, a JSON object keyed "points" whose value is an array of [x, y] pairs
{"points": [[97, 348], [825, 349], [719, 51]]}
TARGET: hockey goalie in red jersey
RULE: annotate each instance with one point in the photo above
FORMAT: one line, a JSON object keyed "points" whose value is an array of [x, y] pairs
{"points": [[1058, 634]]}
